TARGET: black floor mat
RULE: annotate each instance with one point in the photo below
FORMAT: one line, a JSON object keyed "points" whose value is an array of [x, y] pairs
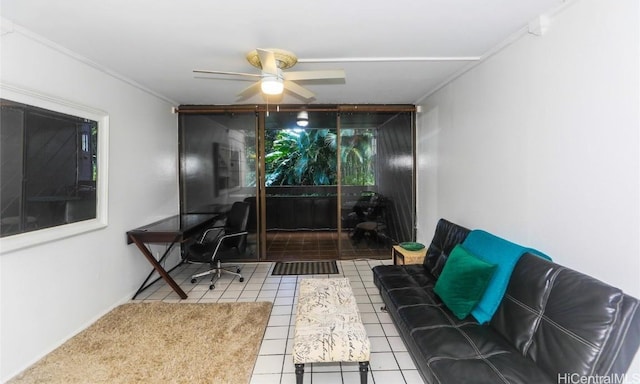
{"points": [[305, 268]]}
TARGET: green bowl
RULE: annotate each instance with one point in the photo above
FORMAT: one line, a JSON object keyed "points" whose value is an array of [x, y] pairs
{"points": [[411, 246]]}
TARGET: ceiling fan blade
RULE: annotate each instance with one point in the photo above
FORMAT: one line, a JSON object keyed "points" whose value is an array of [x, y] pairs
{"points": [[249, 91], [268, 61], [299, 90], [315, 75], [226, 73]]}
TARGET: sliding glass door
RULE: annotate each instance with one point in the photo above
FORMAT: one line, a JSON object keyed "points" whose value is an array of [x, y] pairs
{"points": [[218, 156], [323, 182], [377, 200], [301, 185]]}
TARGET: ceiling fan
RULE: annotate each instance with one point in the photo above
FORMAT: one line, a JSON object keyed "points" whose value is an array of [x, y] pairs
{"points": [[273, 79]]}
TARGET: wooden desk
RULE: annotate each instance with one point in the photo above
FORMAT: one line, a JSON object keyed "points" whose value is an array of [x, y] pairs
{"points": [[407, 257], [172, 230]]}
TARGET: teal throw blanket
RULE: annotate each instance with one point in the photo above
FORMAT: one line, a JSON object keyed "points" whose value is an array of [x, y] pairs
{"points": [[505, 255]]}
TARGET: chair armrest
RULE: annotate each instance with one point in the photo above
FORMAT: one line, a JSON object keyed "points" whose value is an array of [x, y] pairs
{"points": [[234, 234], [226, 236], [204, 235]]}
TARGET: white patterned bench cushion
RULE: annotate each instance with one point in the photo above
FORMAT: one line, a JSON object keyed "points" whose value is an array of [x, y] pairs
{"points": [[328, 325]]}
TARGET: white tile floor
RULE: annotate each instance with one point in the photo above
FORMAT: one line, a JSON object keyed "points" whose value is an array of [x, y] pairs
{"points": [[390, 361]]}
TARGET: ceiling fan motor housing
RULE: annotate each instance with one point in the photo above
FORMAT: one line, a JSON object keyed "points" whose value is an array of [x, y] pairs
{"points": [[284, 59]]}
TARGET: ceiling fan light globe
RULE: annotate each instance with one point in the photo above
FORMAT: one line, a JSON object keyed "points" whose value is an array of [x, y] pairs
{"points": [[272, 86]]}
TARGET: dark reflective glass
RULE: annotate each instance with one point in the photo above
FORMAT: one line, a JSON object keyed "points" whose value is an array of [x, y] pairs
{"points": [[48, 168]]}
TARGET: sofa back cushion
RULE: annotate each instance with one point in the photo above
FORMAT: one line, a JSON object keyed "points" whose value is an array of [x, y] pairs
{"points": [[446, 237], [560, 318]]}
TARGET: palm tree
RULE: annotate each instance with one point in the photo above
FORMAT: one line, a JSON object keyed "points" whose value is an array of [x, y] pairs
{"points": [[357, 154], [301, 157], [308, 157]]}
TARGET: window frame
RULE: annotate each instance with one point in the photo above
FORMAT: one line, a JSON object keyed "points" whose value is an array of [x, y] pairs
{"points": [[41, 236]]}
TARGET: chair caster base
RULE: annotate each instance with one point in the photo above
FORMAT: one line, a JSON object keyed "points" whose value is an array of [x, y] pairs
{"points": [[193, 281], [241, 279], [211, 286]]}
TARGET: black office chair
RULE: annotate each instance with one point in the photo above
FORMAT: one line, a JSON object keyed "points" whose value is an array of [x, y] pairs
{"points": [[374, 225], [221, 242], [359, 211]]}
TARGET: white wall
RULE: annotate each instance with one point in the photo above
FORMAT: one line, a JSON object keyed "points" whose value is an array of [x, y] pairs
{"points": [[52, 291], [540, 144]]}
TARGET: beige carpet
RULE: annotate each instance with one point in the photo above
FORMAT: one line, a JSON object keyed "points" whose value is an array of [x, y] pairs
{"points": [[160, 343]]}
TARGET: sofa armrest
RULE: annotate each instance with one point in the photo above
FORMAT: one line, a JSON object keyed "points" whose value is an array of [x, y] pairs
{"points": [[567, 321], [624, 339]]}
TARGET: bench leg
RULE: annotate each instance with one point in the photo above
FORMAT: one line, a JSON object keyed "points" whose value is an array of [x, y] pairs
{"points": [[364, 370], [299, 373]]}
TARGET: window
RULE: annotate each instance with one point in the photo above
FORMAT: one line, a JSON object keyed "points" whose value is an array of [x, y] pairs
{"points": [[52, 169]]}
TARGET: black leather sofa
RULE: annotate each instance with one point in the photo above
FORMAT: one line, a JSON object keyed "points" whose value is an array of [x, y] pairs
{"points": [[554, 325]]}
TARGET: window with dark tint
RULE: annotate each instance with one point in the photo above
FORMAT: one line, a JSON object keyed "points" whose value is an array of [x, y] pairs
{"points": [[48, 168]]}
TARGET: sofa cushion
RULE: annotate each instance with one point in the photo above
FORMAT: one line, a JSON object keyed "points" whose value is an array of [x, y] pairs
{"points": [[505, 255], [463, 281], [558, 317], [490, 369], [445, 348], [446, 236], [459, 351]]}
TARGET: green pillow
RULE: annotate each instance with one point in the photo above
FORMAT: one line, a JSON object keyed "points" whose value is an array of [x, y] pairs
{"points": [[463, 281]]}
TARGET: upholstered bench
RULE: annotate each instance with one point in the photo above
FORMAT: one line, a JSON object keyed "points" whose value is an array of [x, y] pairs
{"points": [[328, 326]]}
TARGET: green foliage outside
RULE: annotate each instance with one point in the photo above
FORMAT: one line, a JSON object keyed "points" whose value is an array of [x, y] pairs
{"points": [[357, 156], [309, 157]]}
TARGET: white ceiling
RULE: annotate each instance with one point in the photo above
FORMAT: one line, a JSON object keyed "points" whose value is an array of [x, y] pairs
{"points": [[157, 43]]}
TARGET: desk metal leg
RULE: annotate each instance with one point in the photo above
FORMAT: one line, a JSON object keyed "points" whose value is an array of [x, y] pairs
{"points": [[158, 267], [144, 284]]}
